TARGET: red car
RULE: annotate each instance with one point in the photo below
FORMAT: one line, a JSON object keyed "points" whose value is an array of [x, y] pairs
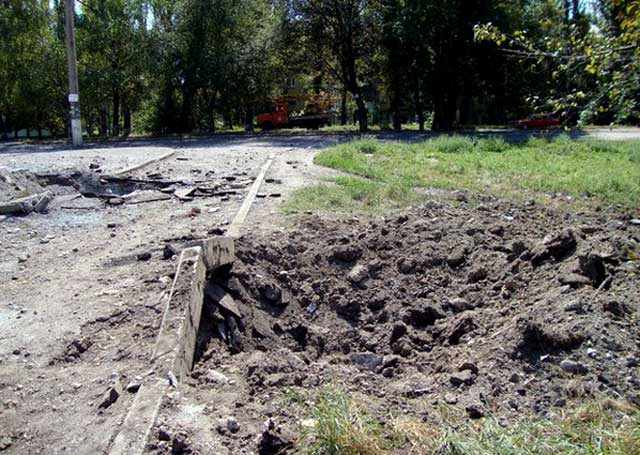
{"points": [[538, 121]]}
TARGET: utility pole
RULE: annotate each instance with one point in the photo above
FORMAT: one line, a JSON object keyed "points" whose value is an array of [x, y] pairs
{"points": [[74, 91]]}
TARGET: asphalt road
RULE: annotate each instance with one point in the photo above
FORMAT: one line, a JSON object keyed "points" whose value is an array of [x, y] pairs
{"points": [[305, 139]]}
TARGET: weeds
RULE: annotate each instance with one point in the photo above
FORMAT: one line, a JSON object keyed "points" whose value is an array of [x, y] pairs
{"points": [[337, 424], [340, 426]]}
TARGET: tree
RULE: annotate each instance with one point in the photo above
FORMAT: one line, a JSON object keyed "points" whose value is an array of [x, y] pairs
{"points": [[341, 35]]}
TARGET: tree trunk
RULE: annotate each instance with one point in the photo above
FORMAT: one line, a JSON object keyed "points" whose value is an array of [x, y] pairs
{"points": [[115, 128], [395, 109], [362, 112], [126, 113], [419, 108], [3, 128], [103, 126], [343, 108], [249, 120], [187, 101]]}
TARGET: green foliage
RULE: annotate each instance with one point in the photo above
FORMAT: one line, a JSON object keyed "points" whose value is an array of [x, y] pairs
{"points": [[190, 65]]}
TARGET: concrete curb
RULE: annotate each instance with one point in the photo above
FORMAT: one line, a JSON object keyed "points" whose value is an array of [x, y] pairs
{"points": [[144, 164], [172, 357]]}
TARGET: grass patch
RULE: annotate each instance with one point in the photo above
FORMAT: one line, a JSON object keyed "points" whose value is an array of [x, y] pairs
{"points": [[338, 424], [607, 172], [604, 427], [352, 194]]}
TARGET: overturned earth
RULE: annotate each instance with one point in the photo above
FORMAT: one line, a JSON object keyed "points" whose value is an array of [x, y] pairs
{"points": [[499, 309]]}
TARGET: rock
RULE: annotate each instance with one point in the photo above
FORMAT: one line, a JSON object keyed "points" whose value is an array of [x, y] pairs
{"points": [[616, 308], [555, 247], [573, 279], [571, 366], [133, 387], [398, 331], [358, 274], [367, 360], [457, 257], [232, 425], [475, 411], [347, 308], [179, 445], [115, 201], [477, 273], [111, 395], [574, 306], [469, 366], [423, 314], [407, 265], [27, 204], [145, 256], [450, 398], [631, 362], [516, 249], [275, 442], [634, 222], [458, 305], [222, 299], [185, 194], [5, 441], [169, 251], [23, 258], [388, 372], [272, 293], [460, 327], [465, 377], [346, 253], [77, 346], [403, 348], [94, 166], [234, 337]]}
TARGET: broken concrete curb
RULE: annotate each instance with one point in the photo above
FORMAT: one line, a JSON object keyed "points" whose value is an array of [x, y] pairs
{"points": [[172, 357]]}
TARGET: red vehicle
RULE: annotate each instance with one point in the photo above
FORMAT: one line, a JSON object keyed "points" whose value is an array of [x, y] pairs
{"points": [[539, 121], [313, 117]]}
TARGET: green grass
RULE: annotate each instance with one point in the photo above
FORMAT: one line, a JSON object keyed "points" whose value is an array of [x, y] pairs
{"points": [[351, 194], [336, 423], [603, 427], [597, 171]]}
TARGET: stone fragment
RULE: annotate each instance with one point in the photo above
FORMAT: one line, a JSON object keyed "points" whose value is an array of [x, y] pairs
{"points": [[366, 360], [465, 377], [111, 395], [222, 299], [573, 367], [144, 256], [358, 274], [232, 425]]}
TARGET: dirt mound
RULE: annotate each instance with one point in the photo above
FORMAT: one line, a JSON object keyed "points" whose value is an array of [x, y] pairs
{"points": [[500, 309]]}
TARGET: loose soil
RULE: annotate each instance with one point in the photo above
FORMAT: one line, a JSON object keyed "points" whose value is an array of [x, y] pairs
{"points": [[500, 309]]}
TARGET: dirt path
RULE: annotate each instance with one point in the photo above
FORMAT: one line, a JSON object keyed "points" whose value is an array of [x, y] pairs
{"points": [[77, 305]]}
